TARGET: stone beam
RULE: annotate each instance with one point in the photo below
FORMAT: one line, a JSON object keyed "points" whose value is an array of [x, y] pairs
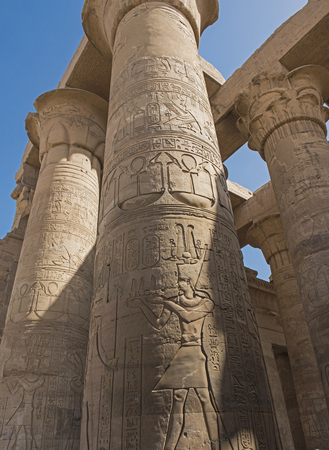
{"points": [[261, 204], [90, 71], [303, 39]]}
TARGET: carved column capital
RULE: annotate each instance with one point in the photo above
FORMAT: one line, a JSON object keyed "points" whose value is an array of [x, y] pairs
{"points": [[276, 99], [268, 235], [70, 121], [100, 18]]}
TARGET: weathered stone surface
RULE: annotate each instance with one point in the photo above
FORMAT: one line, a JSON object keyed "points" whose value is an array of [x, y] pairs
{"points": [[267, 234], [10, 248], [46, 332], [174, 356], [285, 119], [166, 239], [269, 324]]}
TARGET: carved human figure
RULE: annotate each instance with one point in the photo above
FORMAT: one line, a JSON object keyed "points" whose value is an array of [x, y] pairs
{"points": [[23, 416], [188, 368]]}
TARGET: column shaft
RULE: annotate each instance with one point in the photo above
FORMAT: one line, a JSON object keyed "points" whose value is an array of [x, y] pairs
{"points": [[174, 356], [286, 121], [46, 332], [268, 235]]}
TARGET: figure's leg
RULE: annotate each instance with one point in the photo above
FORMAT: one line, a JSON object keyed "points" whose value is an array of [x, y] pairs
{"points": [[13, 438], [210, 417], [28, 437], [176, 419]]}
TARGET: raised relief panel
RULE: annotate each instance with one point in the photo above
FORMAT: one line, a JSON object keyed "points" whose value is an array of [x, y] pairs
{"points": [[159, 67], [45, 379], [105, 416], [51, 301], [117, 256], [151, 250], [190, 183], [171, 109], [136, 190], [188, 367], [132, 394], [187, 178], [132, 254]]}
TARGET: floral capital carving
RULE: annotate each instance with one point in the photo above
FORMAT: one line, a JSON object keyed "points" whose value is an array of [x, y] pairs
{"points": [[274, 99]]}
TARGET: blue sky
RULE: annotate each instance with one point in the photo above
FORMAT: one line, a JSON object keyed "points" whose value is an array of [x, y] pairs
{"points": [[38, 39]]}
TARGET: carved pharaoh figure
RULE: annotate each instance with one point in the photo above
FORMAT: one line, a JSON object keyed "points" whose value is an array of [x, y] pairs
{"points": [[23, 415], [188, 368]]}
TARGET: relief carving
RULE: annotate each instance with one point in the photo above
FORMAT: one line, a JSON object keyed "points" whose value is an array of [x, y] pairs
{"points": [[315, 284], [274, 99], [186, 144], [188, 179], [188, 368], [169, 107], [158, 67]]}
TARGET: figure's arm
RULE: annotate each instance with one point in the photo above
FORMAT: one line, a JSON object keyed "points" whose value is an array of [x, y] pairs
{"points": [[30, 387], [155, 321], [192, 315], [13, 386]]}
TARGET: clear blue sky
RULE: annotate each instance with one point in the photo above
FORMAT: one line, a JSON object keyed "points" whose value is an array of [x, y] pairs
{"points": [[38, 39]]}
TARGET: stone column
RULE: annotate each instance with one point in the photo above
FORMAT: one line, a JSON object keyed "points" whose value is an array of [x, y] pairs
{"points": [[268, 235], [46, 332], [174, 354], [285, 119]]}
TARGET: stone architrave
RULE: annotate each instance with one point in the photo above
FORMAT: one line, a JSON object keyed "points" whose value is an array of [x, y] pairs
{"points": [[285, 118], [267, 234], [46, 332], [174, 357]]}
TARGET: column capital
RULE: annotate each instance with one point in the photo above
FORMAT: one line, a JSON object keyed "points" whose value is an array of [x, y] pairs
{"points": [[100, 18], [268, 235], [68, 116], [274, 99]]}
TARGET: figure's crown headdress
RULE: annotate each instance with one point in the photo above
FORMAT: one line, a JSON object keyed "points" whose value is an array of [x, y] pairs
{"points": [[189, 268], [190, 255]]}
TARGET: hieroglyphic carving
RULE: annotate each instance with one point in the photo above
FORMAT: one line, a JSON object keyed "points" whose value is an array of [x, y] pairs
{"points": [[105, 410], [178, 111], [214, 354], [133, 394], [151, 250], [49, 380], [117, 256], [145, 178], [315, 284], [51, 301], [159, 67], [132, 254], [165, 143], [66, 202], [162, 182], [188, 368], [240, 329]]}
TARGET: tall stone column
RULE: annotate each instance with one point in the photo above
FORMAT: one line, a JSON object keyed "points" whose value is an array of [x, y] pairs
{"points": [[46, 333], [268, 235], [174, 358], [285, 119]]}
